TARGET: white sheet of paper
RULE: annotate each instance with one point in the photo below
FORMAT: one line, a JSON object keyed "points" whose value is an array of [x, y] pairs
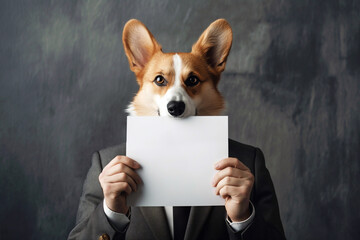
{"points": [[177, 158]]}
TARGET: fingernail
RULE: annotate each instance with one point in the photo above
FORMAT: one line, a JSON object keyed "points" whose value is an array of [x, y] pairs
{"points": [[217, 165], [136, 164]]}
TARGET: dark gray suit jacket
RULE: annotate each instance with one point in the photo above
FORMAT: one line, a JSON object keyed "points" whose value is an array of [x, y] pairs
{"points": [[204, 222]]}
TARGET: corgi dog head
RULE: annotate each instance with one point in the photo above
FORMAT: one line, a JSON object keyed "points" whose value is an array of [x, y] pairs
{"points": [[177, 84]]}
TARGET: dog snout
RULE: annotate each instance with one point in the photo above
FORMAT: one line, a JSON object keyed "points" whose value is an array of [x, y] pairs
{"points": [[176, 108]]}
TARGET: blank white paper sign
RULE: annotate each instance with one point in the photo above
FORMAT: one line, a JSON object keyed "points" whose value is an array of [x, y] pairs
{"points": [[177, 158]]}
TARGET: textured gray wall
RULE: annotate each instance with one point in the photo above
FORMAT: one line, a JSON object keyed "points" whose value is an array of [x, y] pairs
{"points": [[292, 86]]}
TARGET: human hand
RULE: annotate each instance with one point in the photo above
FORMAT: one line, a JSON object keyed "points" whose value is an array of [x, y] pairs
{"points": [[234, 182], [118, 179]]}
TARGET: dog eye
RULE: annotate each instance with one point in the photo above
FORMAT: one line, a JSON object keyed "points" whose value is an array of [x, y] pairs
{"points": [[192, 81], [160, 81]]}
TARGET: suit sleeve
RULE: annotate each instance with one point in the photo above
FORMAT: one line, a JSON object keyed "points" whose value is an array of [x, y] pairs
{"points": [[267, 223], [91, 221]]}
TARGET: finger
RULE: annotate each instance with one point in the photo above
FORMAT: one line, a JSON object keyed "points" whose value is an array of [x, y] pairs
{"points": [[122, 159], [229, 191], [230, 162], [122, 177], [230, 172], [115, 189], [123, 168], [229, 181]]}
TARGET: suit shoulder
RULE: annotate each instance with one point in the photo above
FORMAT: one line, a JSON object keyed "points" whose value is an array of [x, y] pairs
{"points": [[107, 154], [245, 153], [241, 149]]}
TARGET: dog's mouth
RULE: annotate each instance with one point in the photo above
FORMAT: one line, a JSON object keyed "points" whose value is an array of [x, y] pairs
{"points": [[181, 116]]}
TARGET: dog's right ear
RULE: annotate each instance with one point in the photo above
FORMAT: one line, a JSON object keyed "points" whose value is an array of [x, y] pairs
{"points": [[139, 44]]}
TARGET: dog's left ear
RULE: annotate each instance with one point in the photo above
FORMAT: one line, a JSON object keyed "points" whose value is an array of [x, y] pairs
{"points": [[215, 43]]}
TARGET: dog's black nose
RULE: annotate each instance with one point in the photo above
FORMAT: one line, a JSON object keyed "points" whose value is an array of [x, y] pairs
{"points": [[176, 108]]}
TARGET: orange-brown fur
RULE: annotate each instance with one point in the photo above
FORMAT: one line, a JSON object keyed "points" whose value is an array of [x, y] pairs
{"points": [[149, 61]]}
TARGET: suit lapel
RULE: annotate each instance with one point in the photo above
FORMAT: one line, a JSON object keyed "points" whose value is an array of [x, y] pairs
{"points": [[156, 220], [197, 219]]}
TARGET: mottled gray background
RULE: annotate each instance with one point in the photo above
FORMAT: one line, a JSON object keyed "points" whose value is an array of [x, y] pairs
{"points": [[291, 82]]}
